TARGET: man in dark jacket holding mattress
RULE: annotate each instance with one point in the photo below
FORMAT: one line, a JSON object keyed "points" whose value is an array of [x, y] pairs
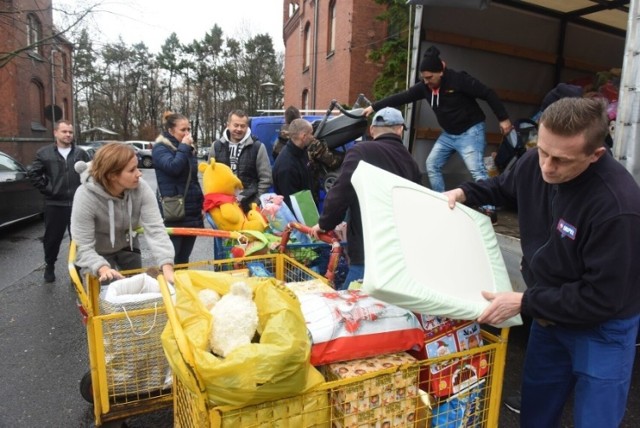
{"points": [[579, 216], [386, 151]]}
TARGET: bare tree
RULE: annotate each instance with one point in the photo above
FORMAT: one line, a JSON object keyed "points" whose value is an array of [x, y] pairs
{"points": [[125, 88], [171, 59], [17, 28]]}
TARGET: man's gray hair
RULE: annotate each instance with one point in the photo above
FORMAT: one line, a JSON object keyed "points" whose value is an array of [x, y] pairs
{"points": [[299, 125]]}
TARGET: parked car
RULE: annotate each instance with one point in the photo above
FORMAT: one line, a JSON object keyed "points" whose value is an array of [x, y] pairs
{"points": [[91, 150], [203, 152], [99, 143], [142, 145], [20, 200], [144, 157]]}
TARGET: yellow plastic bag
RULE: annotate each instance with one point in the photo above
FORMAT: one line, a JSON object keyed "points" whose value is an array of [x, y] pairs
{"points": [[276, 367]]}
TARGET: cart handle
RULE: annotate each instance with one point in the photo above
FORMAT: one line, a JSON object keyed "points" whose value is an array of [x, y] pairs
{"points": [[77, 282], [179, 231], [327, 237], [212, 233], [178, 332]]}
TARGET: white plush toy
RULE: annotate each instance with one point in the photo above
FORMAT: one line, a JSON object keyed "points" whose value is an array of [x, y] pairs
{"points": [[209, 298], [235, 320]]}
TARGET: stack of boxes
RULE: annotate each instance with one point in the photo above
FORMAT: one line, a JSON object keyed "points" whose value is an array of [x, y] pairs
{"points": [[384, 400]]}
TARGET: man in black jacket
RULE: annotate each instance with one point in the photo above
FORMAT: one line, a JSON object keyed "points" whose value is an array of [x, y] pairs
{"points": [[291, 171], [579, 212], [452, 96], [386, 151], [52, 172]]}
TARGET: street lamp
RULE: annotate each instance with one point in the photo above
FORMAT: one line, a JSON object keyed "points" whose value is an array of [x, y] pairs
{"points": [[269, 89]]}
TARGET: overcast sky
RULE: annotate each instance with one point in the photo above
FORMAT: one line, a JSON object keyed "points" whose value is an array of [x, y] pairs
{"points": [[153, 21]]}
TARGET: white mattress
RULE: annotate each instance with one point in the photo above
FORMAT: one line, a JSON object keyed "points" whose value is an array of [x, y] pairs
{"points": [[421, 255]]}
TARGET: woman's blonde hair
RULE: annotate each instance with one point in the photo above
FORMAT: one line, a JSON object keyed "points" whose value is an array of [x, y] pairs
{"points": [[108, 162]]}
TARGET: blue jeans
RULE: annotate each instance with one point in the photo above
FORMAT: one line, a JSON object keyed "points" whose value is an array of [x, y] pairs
{"points": [[470, 146], [355, 273], [595, 363]]}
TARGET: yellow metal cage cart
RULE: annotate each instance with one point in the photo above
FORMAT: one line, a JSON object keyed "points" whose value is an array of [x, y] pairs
{"points": [[393, 395], [117, 387]]}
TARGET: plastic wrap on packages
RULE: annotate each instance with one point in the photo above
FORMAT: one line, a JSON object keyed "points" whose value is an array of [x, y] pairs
{"points": [[279, 215], [461, 410]]}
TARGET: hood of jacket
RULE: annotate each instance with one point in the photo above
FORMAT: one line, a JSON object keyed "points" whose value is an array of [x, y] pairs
{"points": [[168, 140], [246, 140], [86, 180]]}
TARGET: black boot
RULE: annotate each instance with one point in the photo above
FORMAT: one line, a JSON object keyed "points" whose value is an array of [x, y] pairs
{"points": [[50, 273]]}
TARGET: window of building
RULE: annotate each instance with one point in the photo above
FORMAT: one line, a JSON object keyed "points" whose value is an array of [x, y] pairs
{"points": [[293, 8], [65, 109], [306, 54], [331, 29], [64, 64], [34, 33], [305, 100], [36, 105]]}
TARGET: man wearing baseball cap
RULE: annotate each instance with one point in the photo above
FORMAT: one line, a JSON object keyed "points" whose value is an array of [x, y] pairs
{"points": [[452, 96], [385, 151]]}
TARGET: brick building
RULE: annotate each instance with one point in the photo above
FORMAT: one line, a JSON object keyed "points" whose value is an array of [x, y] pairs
{"points": [[326, 45], [35, 77]]}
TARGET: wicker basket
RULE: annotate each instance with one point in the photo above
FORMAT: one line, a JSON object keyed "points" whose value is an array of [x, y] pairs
{"points": [[134, 357]]}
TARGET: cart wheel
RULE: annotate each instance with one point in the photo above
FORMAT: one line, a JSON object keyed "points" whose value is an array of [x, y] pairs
{"points": [[86, 389]]}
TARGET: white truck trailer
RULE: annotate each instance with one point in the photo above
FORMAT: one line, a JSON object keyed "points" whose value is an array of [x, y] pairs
{"points": [[522, 49]]}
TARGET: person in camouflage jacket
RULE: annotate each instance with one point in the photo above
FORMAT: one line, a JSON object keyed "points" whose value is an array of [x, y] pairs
{"points": [[321, 158]]}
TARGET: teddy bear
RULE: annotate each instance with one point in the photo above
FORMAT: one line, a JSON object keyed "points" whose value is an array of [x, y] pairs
{"points": [[234, 320], [220, 187], [209, 298]]}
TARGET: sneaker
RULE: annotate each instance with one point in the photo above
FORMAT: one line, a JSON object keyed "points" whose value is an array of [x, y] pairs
{"points": [[49, 273], [493, 215], [513, 403]]}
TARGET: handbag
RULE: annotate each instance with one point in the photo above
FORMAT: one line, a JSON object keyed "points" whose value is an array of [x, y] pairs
{"points": [[173, 206]]}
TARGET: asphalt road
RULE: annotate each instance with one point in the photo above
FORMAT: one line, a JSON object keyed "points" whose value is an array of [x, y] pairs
{"points": [[43, 351]]}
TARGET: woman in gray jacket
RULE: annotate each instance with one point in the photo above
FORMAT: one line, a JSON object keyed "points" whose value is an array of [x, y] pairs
{"points": [[111, 203]]}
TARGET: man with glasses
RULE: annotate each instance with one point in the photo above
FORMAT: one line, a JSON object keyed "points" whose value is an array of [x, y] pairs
{"points": [[452, 96]]}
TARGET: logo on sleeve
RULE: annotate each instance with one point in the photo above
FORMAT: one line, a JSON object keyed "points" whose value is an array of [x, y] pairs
{"points": [[566, 229]]}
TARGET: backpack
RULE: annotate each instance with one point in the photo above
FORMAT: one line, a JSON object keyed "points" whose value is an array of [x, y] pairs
{"points": [[514, 144]]}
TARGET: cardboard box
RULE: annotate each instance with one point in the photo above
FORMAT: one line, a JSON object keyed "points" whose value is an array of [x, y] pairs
{"points": [[443, 337], [305, 410], [310, 286], [388, 398]]}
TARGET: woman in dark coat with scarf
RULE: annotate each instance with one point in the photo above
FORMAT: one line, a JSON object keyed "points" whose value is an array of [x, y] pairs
{"points": [[173, 155]]}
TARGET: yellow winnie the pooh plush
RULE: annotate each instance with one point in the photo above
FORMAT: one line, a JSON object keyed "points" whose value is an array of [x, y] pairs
{"points": [[220, 186]]}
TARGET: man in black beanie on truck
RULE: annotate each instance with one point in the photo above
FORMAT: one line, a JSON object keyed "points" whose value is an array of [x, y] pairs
{"points": [[452, 96]]}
